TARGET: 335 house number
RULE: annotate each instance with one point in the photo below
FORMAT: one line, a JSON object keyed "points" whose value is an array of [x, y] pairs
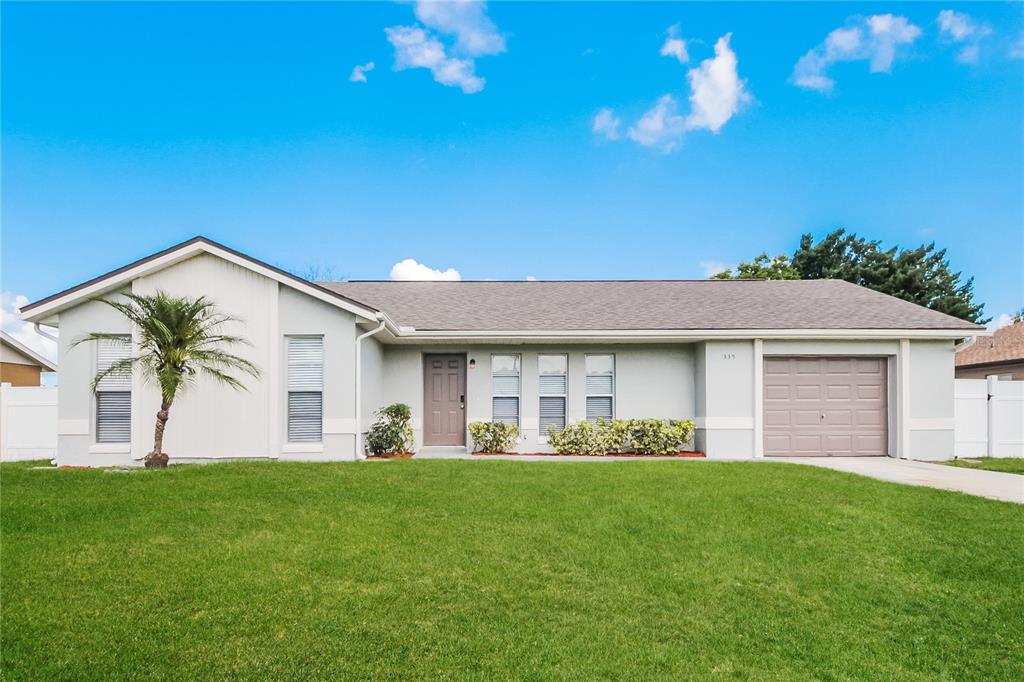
{"points": [[729, 356]]}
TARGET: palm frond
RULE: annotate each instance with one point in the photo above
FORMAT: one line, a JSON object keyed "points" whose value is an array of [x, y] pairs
{"points": [[178, 339], [118, 368]]}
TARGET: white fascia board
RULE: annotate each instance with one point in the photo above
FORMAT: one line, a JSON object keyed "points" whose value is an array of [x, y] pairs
{"points": [[682, 335], [28, 352], [187, 251]]}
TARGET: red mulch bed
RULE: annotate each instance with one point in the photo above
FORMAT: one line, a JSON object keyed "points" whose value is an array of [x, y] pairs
{"points": [[392, 455], [679, 455]]}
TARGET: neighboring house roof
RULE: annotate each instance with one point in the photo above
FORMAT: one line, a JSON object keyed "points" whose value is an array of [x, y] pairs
{"points": [[644, 305], [1005, 345], [35, 358], [122, 276]]}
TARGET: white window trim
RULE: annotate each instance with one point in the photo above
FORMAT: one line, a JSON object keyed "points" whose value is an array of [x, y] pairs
{"points": [[542, 435], [615, 376], [304, 445], [307, 447], [116, 446], [519, 394]]}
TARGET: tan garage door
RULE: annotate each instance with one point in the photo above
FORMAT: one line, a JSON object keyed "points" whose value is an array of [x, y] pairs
{"points": [[825, 406]]}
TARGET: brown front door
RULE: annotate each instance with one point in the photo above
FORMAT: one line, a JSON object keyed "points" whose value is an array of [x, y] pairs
{"points": [[825, 406], [444, 399]]}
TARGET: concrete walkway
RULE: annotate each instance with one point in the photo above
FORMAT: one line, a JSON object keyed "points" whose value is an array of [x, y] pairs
{"points": [[994, 485]]}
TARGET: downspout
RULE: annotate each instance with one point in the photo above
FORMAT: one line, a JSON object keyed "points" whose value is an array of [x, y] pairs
{"points": [[47, 335], [359, 383]]}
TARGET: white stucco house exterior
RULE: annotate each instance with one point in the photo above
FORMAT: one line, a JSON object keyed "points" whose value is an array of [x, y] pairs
{"points": [[763, 367]]}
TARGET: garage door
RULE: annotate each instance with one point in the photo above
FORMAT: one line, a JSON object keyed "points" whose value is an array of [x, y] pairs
{"points": [[825, 406]]}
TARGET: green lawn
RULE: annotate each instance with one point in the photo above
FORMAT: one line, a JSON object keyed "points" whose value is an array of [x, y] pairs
{"points": [[426, 569], [1011, 465]]}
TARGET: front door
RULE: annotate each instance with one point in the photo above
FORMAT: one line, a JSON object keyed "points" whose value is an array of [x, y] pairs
{"points": [[444, 400]]}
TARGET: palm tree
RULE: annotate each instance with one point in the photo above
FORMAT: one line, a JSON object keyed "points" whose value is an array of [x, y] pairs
{"points": [[178, 340]]}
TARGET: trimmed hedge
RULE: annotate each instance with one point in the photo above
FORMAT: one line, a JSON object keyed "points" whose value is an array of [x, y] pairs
{"points": [[639, 436], [493, 436]]}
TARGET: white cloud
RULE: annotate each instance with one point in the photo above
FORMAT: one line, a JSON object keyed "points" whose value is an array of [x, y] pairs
{"points": [[661, 126], [359, 72], [999, 322], [969, 54], [11, 322], [675, 46], [607, 124], [957, 26], [874, 39], [410, 270], [716, 90], [475, 36], [531, 278], [960, 28], [713, 267], [1017, 49], [717, 93], [416, 48], [475, 33]]}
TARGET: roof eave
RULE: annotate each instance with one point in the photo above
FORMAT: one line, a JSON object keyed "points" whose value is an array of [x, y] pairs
{"points": [[111, 281], [685, 334]]}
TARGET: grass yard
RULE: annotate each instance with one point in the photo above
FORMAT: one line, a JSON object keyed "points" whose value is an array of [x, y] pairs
{"points": [[487, 569], [1010, 465]]}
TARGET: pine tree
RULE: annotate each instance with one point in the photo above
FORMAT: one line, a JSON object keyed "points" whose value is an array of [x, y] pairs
{"points": [[922, 275]]}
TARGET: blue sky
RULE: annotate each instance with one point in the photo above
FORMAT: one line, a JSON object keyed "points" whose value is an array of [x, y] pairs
{"points": [[471, 144]]}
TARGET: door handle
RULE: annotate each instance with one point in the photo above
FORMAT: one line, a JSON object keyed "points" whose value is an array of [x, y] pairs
{"points": [[462, 402]]}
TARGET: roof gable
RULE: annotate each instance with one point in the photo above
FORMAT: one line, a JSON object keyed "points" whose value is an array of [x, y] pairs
{"points": [[118, 278], [29, 354]]}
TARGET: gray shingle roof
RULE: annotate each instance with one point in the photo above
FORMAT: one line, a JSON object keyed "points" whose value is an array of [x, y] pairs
{"points": [[649, 305]]}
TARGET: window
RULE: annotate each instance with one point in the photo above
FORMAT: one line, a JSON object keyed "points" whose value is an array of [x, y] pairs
{"points": [[305, 389], [505, 388], [114, 392], [552, 388], [600, 387]]}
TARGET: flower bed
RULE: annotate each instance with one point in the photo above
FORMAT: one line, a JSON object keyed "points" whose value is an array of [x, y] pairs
{"points": [[682, 454], [392, 455]]}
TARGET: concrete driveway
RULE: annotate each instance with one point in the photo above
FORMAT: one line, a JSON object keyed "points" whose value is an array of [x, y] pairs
{"points": [[994, 485]]}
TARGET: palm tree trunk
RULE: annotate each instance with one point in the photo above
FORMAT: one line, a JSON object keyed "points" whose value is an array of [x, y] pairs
{"points": [[157, 458]]}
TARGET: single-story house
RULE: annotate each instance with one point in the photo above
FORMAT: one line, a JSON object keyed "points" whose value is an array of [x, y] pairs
{"points": [[1000, 355], [19, 364], [764, 368]]}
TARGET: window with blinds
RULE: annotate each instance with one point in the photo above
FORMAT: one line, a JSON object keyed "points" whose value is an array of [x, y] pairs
{"points": [[113, 392], [505, 388], [600, 387], [552, 386], [305, 388]]}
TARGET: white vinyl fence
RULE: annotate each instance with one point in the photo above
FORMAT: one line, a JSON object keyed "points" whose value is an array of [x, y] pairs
{"points": [[28, 422], [989, 418]]}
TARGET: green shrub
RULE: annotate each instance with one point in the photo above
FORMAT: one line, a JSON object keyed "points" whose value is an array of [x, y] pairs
{"points": [[493, 436], [640, 436], [580, 438], [657, 436], [392, 432]]}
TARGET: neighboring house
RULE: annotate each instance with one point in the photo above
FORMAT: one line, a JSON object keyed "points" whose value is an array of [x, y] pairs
{"points": [[1001, 355], [19, 364], [763, 367]]}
